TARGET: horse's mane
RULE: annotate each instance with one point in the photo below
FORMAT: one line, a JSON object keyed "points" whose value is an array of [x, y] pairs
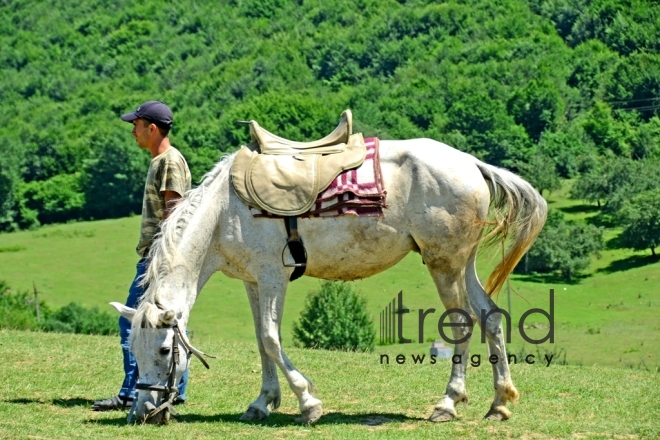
{"points": [[163, 250]]}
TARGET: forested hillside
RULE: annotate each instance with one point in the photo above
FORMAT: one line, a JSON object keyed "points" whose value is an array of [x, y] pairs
{"points": [[547, 88]]}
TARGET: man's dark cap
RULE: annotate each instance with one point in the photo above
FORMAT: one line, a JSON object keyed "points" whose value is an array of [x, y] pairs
{"points": [[153, 111]]}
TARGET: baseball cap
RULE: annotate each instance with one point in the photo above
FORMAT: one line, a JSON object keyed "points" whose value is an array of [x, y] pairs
{"points": [[153, 111]]}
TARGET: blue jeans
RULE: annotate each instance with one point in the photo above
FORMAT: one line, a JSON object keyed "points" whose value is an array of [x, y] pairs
{"points": [[135, 292]]}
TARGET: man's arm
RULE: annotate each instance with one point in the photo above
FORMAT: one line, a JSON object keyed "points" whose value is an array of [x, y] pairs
{"points": [[171, 200]]}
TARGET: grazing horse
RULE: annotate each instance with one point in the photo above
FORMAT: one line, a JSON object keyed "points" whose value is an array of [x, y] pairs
{"points": [[438, 201]]}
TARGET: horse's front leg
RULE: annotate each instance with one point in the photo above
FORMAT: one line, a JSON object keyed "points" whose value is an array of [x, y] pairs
{"points": [[272, 290], [270, 394]]}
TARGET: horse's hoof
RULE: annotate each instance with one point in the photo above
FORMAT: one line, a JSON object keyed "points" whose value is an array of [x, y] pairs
{"points": [[442, 415], [310, 416], [252, 414], [498, 414]]}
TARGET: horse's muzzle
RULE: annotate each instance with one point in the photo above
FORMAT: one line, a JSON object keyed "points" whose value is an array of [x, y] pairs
{"points": [[156, 415]]}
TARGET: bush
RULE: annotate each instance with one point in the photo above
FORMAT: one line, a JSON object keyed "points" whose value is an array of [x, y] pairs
{"points": [[18, 311], [335, 318], [57, 199], [563, 246], [73, 318]]}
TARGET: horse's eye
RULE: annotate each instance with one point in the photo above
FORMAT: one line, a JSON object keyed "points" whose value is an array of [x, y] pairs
{"points": [[165, 350]]}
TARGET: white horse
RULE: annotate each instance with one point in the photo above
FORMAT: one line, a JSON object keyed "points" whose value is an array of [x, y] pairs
{"points": [[438, 201]]}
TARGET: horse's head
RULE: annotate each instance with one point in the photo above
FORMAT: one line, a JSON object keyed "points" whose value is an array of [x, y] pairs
{"points": [[162, 352]]}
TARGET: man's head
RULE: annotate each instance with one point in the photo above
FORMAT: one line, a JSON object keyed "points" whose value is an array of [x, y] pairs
{"points": [[151, 122]]}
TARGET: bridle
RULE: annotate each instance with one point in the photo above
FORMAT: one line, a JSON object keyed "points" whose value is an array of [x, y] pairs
{"points": [[171, 390]]}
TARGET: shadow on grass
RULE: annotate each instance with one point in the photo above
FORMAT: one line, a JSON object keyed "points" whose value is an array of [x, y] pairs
{"points": [[550, 278], [580, 209], [602, 220], [630, 263], [65, 403], [614, 243], [119, 421], [279, 420]]}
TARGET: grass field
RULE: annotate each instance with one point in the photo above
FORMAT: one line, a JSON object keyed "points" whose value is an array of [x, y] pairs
{"points": [[611, 317], [51, 379]]}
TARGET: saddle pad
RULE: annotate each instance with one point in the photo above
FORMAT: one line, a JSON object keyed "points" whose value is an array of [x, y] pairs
{"points": [[288, 185], [364, 181], [358, 191]]}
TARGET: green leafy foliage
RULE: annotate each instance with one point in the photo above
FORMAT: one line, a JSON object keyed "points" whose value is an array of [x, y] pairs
{"points": [[575, 78], [113, 179], [57, 199], [615, 181], [9, 181], [541, 172], [563, 246], [335, 318], [73, 318], [18, 311], [537, 106]]}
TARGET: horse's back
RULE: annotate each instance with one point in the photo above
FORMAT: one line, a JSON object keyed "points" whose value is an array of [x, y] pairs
{"points": [[440, 172]]}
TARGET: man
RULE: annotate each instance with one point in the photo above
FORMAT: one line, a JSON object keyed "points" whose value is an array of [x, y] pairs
{"points": [[168, 179]]}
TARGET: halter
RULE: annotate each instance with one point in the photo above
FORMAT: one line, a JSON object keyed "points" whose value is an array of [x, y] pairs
{"points": [[171, 391]]}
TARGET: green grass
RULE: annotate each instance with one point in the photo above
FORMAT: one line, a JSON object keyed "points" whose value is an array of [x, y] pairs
{"points": [[48, 389], [610, 317]]}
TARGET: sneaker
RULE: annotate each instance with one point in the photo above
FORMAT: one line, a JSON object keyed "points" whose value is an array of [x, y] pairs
{"points": [[112, 404]]}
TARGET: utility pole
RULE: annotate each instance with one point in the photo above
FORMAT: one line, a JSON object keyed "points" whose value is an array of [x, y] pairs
{"points": [[508, 294], [36, 301], [508, 285]]}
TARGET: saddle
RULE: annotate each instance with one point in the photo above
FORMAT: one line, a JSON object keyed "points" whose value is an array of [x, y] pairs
{"points": [[333, 143], [284, 177]]}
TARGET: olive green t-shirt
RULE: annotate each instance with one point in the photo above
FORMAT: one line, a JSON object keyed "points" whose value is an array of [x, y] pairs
{"points": [[167, 172]]}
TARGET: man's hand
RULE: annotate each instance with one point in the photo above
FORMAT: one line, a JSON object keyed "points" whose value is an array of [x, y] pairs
{"points": [[172, 198]]}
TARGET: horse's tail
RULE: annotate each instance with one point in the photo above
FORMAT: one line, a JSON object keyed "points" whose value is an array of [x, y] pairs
{"points": [[520, 213]]}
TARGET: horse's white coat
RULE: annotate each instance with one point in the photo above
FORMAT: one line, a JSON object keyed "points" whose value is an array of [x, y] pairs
{"points": [[438, 201]]}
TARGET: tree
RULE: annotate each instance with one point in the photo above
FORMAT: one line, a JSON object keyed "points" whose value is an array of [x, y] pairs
{"points": [[9, 180], [335, 318], [541, 172], [591, 63], [606, 131], [407, 69], [615, 181], [537, 107], [57, 199], [113, 178], [592, 185], [563, 246], [640, 219], [635, 84]]}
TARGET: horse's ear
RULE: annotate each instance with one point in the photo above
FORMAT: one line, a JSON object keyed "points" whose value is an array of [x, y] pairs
{"points": [[167, 317], [124, 311]]}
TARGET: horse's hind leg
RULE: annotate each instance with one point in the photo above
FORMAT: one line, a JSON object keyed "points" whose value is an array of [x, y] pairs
{"points": [[451, 287], [272, 289], [270, 394], [480, 302]]}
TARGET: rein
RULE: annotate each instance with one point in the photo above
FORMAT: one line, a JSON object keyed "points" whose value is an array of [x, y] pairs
{"points": [[171, 390]]}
